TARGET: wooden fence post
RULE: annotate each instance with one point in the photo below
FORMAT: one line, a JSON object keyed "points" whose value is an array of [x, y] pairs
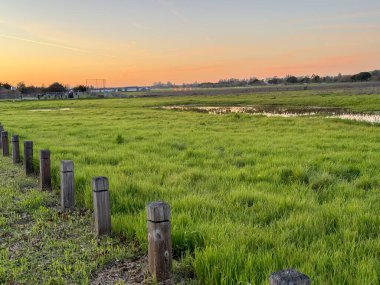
{"points": [[289, 277], [45, 172], [102, 211], [159, 240], [15, 149], [28, 157], [1, 130], [67, 184], [5, 143]]}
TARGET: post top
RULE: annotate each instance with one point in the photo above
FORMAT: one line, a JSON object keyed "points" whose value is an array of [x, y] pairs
{"points": [[99, 184], [44, 153], [4, 133], [67, 166], [288, 277], [28, 143], [15, 138], [158, 212]]}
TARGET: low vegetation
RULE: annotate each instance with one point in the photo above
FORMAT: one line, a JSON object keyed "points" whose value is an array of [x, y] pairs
{"points": [[249, 194], [39, 244]]}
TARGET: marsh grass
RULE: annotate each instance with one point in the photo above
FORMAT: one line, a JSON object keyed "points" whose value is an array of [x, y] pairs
{"points": [[249, 195]]}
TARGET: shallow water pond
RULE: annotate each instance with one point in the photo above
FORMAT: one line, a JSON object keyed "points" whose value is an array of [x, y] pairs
{"points": [[277, 111]]}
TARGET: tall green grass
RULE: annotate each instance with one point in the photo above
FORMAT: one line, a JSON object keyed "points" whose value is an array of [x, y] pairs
{"points": [[249, 194]]}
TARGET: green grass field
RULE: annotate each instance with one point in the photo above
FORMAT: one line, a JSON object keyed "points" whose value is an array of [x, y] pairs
{"points": [[249, 194]]}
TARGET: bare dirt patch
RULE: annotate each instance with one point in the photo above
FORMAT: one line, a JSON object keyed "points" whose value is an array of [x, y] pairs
{"points": [[131, 271]]}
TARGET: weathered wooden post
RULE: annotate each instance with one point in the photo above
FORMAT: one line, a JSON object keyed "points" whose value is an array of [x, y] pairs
{"points": [[102, 211], [45, 172], [5, 143], [15, 149], [67, 184], [289, 277], [28, 157], [1, 130], [159, 240]]}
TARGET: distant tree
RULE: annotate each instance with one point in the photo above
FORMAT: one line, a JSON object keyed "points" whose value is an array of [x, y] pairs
{"points": [[207, 85], [315, 78], [56, 87], [163, 85], [338, 78], [291, 79], [305, 79], [375, 75], [345, 78], [327, 79], [275, 80], [21, 87], [158, 84], [80, 88], [253, 81], [362, 76], [5, 85]]}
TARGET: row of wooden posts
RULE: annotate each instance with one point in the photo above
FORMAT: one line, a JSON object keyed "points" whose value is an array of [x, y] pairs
{"points": [[158, 213]]}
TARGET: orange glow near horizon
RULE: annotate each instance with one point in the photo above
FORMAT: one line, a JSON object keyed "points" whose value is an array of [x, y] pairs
{"points": [[180, 46]]}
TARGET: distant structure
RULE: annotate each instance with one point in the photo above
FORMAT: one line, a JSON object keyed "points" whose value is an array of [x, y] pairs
{"points": [[133, 88], [120, 89], [96, 83]]}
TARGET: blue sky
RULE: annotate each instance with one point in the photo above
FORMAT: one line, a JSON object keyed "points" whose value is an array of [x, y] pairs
{"points": [[139, 42]]}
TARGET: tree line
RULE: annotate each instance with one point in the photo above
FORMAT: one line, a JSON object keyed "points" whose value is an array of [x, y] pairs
{"points": [[289, 79], [55, 87], [232, 82]]}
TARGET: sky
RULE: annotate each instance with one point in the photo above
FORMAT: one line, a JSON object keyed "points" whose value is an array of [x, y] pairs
{"points": [[138, 42]]}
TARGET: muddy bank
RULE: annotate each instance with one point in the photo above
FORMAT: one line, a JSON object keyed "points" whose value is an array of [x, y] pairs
{"points": [[373, 119], [280, 111], [260, 110]]}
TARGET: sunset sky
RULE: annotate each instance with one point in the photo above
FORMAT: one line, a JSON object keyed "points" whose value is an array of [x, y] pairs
{"points": [[144, 41]]}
